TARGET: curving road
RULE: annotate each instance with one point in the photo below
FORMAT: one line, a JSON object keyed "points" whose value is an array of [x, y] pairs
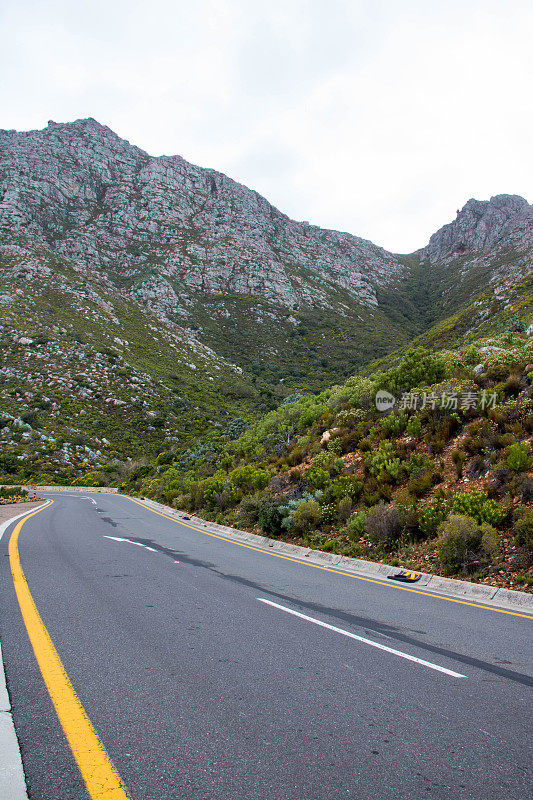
{"points": [[209, 670]]}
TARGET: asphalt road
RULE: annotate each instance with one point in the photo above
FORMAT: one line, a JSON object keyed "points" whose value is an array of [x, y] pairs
{"points": [[199, 689]]}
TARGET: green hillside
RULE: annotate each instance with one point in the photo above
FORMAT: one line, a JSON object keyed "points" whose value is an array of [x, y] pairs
{"points": [[445, 486]]}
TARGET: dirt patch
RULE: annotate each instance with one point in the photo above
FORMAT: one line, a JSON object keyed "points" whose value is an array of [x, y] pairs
{"points": [[11, 510]]}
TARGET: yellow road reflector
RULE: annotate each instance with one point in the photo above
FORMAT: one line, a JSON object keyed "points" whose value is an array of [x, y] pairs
{"points": [[405, 576], [98, 771]]}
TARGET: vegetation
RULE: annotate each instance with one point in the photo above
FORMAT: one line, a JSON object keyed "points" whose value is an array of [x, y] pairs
{"points": [[107, 395], [437, 488]]}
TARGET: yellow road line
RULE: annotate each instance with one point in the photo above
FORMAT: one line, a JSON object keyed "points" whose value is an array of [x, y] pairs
{"points": [[101, 778], [335, 571]]}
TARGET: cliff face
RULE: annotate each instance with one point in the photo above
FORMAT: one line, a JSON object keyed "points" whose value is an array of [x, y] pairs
{"points": [[503, 221], [169, 228]]}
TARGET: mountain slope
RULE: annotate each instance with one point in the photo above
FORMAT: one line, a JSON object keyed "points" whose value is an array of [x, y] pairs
{"points": [[126, 271], [169, 228]]}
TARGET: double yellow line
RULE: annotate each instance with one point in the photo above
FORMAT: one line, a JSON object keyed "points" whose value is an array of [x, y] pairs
{"points": [[98, 771]]}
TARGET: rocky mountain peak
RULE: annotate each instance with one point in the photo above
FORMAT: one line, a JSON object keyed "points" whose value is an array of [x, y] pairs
{"points": [[163, 223], [481, 225]]}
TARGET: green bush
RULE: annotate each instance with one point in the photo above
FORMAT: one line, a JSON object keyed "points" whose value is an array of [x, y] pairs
{"points": [[346, 486], [421, 483], [329, 461], [317, 477], [476, 504], [417, 464], [12, 491], [382, 460], [414, 427], [395, 424], [270, 517], [524, 531], [459, 539], [235, 428], [418, 368], [519, 457], [249, 477], [335, 446], [490, 541], [249, 509], [458, 458], [356, 525], [328, 513], [432, 515], [307, 516]]}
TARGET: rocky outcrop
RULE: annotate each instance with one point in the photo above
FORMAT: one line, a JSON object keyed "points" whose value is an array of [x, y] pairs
{"points": [[170, 230], [481, 226]]}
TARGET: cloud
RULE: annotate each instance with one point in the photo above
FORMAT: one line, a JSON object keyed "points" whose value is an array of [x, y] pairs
{"points": [[380, 118]]}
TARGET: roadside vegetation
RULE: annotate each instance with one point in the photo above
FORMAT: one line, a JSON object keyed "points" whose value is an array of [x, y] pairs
{"points": [[443, 487]]}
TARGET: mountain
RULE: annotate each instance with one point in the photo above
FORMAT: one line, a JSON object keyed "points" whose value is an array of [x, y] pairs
{"points": [[150, 299]]}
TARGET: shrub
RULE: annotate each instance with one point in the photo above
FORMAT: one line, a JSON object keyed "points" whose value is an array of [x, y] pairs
{"points": [[249, 509], [476, 504], [414, 427], [307, 516], [356, 525], [382, 461], [295, 457], [329, 461], [418, 368], [459, 537], [383, 525], [458, 459], [513, 384], [524, 531], [346, 486], [216, 491], [317, 477], [235, 428], [344, 508], [437, 444], [295, 475], [523, 488], [249, 477], [328, 513], [432, 515], [270, 517], [519, 457], [505, 440], [335, 446], [417, 464], [421, 483], [12, 491], [395, 424], [480, 434], [490, 540]]}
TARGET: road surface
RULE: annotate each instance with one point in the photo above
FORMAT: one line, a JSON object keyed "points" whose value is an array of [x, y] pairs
{"points": [[209, 670]]}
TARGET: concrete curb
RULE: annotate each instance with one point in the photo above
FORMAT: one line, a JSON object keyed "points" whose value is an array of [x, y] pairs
{"points": [[12, 780], [491, 596]]}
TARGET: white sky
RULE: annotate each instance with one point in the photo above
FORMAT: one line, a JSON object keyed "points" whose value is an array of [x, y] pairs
{"points": [[380, 118]]}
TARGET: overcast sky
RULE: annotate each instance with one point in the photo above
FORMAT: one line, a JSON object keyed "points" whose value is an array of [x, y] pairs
{"points": [[380, 118]]}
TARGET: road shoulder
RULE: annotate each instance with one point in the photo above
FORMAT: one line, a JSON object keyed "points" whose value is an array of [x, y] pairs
{"points": [[12, 779]]}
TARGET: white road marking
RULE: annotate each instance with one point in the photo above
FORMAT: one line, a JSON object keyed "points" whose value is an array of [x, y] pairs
{"points": [[139, 544], [365, 641]]}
